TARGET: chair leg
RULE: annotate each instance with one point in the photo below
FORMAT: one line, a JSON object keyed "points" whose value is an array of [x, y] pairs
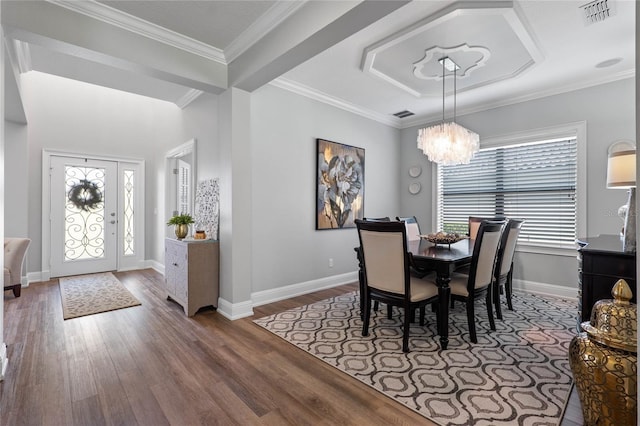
{"points": [[367, 315], [14, 288], [389, 311], [471, 321], [496, 299], [376, 306], [405, 332], [422, 315], [508, 289], [492, 322]]}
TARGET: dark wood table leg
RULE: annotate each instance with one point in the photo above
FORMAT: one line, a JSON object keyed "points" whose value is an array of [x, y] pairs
{"points": [[444, 293]]}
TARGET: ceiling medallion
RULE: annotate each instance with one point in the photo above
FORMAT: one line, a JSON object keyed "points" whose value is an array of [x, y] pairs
{"points": [[468, 58]]}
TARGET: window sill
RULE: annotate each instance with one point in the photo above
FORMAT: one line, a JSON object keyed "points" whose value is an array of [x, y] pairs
{"points": [[568, 250]]}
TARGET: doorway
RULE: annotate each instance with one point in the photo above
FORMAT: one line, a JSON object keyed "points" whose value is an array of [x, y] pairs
{"points": [[93, 214]]}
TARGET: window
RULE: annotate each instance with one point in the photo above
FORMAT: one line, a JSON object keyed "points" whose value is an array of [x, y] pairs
{"points": [[128, 227], [533, 178]]}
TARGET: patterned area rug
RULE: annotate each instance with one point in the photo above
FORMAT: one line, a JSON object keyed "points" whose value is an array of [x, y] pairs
{"points": [[93, 293], [516, 375]]}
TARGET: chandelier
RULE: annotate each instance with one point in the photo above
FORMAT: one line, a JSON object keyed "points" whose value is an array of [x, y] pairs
{"points": [[448, 143]]}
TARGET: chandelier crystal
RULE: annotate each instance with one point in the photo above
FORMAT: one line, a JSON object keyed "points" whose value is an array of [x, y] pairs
{"points": [[448, 143]]}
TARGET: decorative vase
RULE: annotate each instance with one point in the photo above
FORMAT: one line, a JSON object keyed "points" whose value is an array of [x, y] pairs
{"points": [[603, 360], [181, 231]]}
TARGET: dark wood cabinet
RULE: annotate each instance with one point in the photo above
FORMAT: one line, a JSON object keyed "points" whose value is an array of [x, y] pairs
{"points": [[601, 263]]}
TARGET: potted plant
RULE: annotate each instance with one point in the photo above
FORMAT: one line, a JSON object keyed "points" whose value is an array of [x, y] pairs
{"points": [[181, 222]]}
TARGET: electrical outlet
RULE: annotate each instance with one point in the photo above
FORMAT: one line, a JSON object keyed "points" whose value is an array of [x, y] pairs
{"points": [[330, 263]]}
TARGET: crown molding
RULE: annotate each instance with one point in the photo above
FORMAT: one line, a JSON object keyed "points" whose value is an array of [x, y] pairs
{"points": [[261, 27], [141, 27], [420, 120], [188, 97], [317, 95], [622, 75]]}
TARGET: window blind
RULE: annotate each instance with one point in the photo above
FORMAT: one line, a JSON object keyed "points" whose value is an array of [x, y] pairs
{"points": [[533, 181]]}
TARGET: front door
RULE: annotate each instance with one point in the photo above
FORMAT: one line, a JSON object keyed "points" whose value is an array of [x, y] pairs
{"points": [[84, 222]]}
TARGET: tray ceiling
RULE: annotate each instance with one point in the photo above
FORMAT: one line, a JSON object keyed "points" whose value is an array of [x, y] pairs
{"points": [[372, 58]]}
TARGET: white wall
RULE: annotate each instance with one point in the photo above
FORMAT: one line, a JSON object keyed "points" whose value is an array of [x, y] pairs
{"points": [[285, 247], [200, 122], [609, 111], [74, 116], [284, 126], [16, 180]]}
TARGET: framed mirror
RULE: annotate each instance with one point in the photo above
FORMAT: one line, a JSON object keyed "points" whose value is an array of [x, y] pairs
{"points": [[180, 186]]}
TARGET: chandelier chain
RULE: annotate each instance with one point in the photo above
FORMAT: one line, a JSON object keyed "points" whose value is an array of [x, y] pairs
{"points": [[443, 75]]}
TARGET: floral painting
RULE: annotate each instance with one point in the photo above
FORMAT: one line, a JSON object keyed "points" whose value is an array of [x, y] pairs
{"points": [[340, 190], [208, 208]]}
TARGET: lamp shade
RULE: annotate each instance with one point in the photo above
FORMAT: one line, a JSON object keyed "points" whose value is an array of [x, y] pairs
{"points": [[621, 169]]}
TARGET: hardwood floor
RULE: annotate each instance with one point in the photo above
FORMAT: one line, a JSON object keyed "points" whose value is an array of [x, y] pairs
{"points": [[151, 365]]}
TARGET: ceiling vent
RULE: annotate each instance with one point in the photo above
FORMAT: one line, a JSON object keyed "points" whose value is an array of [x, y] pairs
{"points": [[597, 11], [403, 114]]}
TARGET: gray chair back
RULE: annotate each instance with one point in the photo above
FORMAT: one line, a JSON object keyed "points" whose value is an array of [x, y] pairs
{"points": [[485, 251], [412, 227], [384, 255], [508, 246]]}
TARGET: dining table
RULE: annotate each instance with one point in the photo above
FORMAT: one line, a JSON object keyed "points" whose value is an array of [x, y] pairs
{"points": [[444, 259]]}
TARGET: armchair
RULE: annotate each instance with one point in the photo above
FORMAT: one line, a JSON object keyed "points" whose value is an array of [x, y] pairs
{"points": [[14, 254]]}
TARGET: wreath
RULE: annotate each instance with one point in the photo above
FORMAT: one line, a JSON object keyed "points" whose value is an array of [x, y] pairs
{"points": [[85, 195]]}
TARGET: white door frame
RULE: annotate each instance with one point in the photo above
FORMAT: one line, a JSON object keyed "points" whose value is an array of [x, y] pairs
{"points": [[124, 261]]}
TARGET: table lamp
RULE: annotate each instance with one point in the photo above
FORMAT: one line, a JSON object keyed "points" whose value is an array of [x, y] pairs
{"points": [[621, 174]]}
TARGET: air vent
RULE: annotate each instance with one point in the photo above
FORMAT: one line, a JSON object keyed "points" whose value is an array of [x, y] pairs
{"points": [[403, 114], [598, 11]]}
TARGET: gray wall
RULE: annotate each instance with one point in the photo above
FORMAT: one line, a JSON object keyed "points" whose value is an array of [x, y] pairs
{"points": [[286, 247], [72, 116], [609, 111], [16, 180]]}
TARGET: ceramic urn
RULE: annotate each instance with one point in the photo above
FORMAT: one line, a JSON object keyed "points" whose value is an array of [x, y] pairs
{"points": [[603, 360]]}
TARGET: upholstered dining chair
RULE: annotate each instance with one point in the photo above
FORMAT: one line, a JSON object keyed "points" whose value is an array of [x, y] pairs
{"points": [[413, 229], [376, 304], [478, 282], [14, 254], [378, 219], [474, 225], [386, 264], [413, 234], [503, 275]]}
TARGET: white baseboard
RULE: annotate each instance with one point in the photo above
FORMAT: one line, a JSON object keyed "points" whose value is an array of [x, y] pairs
{"points": [[281, 293], [155, 265], [234, 311], [4, 361], [544, 289], [35, 277], [244, 309]]}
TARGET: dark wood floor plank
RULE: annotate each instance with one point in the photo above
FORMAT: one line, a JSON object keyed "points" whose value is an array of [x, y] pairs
{"points": [[152, 365], [144, 404], [55, 400], [88, 412]]}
